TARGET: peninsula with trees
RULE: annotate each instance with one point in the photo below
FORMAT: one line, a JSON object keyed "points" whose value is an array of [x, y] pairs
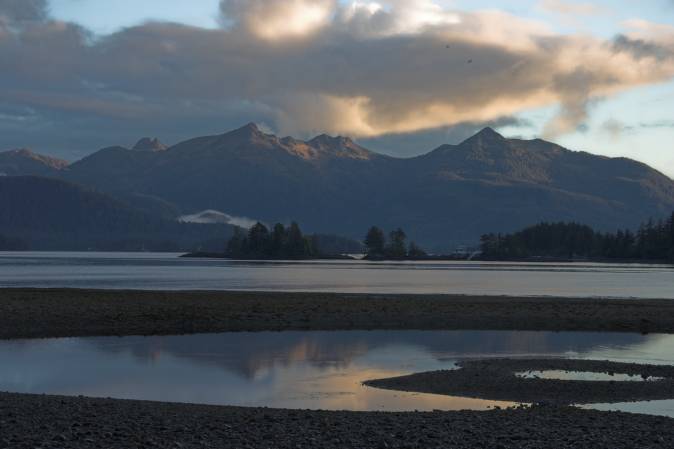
{"points": [[283, 243], [652, 242], [395, 248]]}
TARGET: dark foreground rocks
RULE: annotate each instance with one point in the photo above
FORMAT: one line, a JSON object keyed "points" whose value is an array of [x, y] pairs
{"points": [[496, 379], [29, 421], [30, 313]]}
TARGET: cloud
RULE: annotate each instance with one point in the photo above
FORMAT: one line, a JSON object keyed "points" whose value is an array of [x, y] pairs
{"points": [[614, 128], [657, 124], [303, 67], [23, 11], [211, 216], [571, 8], [278, 19]]}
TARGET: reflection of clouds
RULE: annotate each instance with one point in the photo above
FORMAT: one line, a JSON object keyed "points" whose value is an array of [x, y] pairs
{"points": [[653, 349], [254, 354], [343, 391], [286, 369]]}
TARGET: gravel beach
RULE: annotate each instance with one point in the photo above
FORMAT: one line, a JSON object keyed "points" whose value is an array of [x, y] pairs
{"points": [[30, 421], [496, 379], [35, 313], [38, 421]]}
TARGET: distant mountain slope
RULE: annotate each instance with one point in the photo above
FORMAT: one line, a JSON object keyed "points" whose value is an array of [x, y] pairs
{"points": [[284, 178], [148, 144], [54, 214], [26, 162], [491, 182], [330, 184]]}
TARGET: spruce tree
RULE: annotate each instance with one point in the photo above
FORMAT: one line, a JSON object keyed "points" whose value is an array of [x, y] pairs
{"points": [[295, 244], [375, 242], [278, 240], [258, 240], [397, 247]]}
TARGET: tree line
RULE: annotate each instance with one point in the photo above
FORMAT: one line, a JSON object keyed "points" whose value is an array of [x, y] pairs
{"points": [[280, 242], [12, 244], [654, 240], [396, 247]]}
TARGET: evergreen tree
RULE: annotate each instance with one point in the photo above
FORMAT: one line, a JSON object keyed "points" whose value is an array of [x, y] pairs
{"points": [[280, 243], [375, 242], [397, 247], [258, 239], [237, 245], [295, 244], [653, 241], [278, 240], [415, 251]]}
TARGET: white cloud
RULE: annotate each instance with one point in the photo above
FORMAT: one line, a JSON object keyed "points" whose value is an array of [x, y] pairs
{"points": [[214, 216], [278, 19], [571, 8]]}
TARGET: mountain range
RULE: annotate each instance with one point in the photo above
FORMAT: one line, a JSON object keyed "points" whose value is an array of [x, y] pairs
{"points": [[52, 214], [449, 196]]}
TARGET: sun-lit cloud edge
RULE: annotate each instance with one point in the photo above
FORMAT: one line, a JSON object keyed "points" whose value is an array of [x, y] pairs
{"points": [[360, 68]]}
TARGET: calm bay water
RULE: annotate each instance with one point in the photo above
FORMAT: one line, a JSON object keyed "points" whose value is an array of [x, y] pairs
{"points": [[310, 369], [169, 272], [316, 370]]}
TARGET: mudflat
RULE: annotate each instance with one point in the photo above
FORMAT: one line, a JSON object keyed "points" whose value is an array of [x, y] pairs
{"points": [[36, 313]]}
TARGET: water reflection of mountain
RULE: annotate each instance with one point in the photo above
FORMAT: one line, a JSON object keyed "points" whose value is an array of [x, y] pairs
{"points": [[251, 353]]}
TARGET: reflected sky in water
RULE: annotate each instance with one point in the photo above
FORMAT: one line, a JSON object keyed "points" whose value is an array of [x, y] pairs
{"points": [[169, 272], [316, 370]]}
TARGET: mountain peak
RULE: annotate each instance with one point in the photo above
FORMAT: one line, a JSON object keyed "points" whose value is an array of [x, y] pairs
{"points": [[249, 128], [248, 132], [488, 133], [328, 139], [26, 152], [486, 138], [148, 144], [339, 146], [30, 155]]}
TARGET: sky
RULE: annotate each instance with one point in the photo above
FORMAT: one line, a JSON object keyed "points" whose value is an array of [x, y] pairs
{"points": [[399, 76]]}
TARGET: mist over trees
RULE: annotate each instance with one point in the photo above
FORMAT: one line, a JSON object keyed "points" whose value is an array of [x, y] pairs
{"points": [[654, 240], [52, 215], [396, 247]]}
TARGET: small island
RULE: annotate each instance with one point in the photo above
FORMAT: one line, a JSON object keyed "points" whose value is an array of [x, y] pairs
{"points": [[289, 243], [282, 243]]}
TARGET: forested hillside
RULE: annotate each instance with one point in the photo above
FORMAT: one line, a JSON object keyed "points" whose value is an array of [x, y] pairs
{"points": [[43, 213], [654, 240]]}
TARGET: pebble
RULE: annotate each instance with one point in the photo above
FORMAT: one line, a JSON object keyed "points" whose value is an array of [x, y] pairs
{"points": [[184, 426]]}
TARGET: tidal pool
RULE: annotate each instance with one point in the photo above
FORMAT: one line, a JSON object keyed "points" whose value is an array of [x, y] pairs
{"points": [[586, 376], [308, 370]]}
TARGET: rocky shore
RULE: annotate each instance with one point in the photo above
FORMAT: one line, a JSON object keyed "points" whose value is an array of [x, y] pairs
{"points": [[39, 421], [35, 313], [496, 379], [31, 421]]}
